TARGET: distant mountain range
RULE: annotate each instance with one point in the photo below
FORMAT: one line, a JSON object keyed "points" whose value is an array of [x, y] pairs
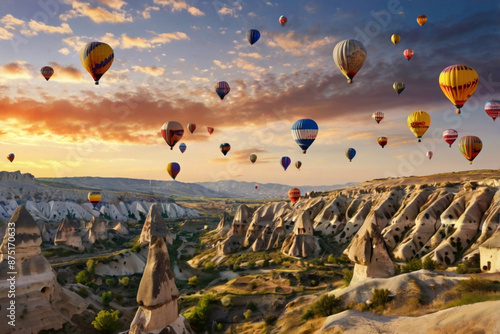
{"points": [[219, 189]]}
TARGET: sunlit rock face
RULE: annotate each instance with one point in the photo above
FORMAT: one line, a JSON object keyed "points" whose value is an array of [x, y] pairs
{"points": [[69, 233]]}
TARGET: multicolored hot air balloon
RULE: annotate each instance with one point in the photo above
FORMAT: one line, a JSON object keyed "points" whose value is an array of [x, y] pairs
{"points": [[492, 108], [96, 58], [378, 116], [304, 131], [210, 130], [382, 141], [222, 89], [408, 53], [450, 136], [294, 194], [298, 164], [173, 168], [47, 72], [470, 146], [11, 157], [395, 39], [253, 36], [458, 83], [349, 55], [94, 197], [172, 132], [398, 86], [182, 147], [283, 20], [191, 127], [224, 148], [419, 122], [253, 158], [429, 155], [350, 153], [285, 162], [421, 19]]}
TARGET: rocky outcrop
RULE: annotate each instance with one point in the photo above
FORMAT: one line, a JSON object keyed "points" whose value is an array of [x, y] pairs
{"points": [[97, 229], [120, 229], [224, 226], [301, 242], [17, 177], [123, 264], [69, 234], [40, 303], [155, 225]]}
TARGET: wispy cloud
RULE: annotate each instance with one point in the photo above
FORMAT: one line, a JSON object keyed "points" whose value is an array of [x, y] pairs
{"points": [[40, 27], [151, 70], [98, 14], [297, 44], [66, 73], [219, 64], [15, 70], [179, 5], [231, 11], [128, 42]]}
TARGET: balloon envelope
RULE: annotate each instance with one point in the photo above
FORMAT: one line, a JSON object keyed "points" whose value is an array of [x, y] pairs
{"points": [[285, 162], [47, 72], [492, 108], [222, 88], [458, 83], [253, 36], [172, 132], [421, 19], [96, 58], [253, 157], [11, 157], [408, 53], [191, 127], [304, 131], [450, 136], [294, 194], [298, 164], [398, 86], [349, 55], [395, 38], [419, 122], [94, 197], [182, 147], [350, 153], [224, 148], [378, 116], [173, 169], [382, 141], [210, 130], [429, 154], [283, 20], [470, 146]]}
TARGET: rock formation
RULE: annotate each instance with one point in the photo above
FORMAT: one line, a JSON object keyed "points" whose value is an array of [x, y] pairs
{"points": [[301, 242], [97, 229], [69, 234], [237, 232], [120, 228], [40, 303], [155, 225], [224, 226]]}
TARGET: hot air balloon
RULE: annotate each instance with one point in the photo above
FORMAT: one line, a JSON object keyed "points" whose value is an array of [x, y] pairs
{"points": [[419, 122], [253, 36], [395, 38], [458, 83], [304, 131], [210, 130], [283, 20], [96, 58], [382, 141], [470, 146], [421, 19], [294, 194], [349, 56], [350, 153], [47, 72], [224, 148], [94, 197], [172, 132], [408, 53], [222, 88], [298, 164], [253, 157], [398, 86], [285, 162], [429, 154], [182, 147], [450, 136], [11, 157], [173, 169], [191, 127], [492, 108], [256, 187], [378, 116]]}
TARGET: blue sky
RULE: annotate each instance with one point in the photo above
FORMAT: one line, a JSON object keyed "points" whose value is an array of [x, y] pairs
{"points": [[170, 53]]}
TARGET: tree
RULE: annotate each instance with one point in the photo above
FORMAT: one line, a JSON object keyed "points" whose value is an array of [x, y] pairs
{"points": [[347, 276], [326, 305], [110, 282], [82, 277], [412, 265], [227, 301], [124, 281], [380, 297], [91, 266], [209, 266], [106, 298], [429, 264], [331, 259], [107, 321], [193, 281], [247, 314]]}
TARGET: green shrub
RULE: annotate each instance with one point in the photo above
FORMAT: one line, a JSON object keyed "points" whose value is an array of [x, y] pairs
{"points": [[199, 315], [308, 314], [124, 281], [227, 301], [477, 284], [269, 319], [326, 305], [220, 327], [136, 248], [380, 297], [252, 306], [247, 314], [82, 277], [331, 259], [83, 292], [110, 282], [106, 298], [209, 266], [91, 266], [462, 268], [193, 281], [348, 273], [429, 264], [253, 285], [251, 264], [107, 321], [412, 265], [265, 263]]}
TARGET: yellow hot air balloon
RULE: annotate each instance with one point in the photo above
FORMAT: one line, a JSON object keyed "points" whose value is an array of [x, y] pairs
{"points": [[97, 58], [349, 56], [419, 122], [421, 19], [470, 146], [395, 39], [458, 83], [94, 197]]}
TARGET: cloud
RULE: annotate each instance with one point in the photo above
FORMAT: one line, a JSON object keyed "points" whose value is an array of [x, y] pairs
{"points": [[115, 4], [9, 22], [297, 44], [253, 55], [233, 11], [64, 51], [179, 5], [154, 71], [15, 70], [5, 34], [96, 14], [36, 27], [219, 64], [66, 73], [146, 13], [128, 42]]}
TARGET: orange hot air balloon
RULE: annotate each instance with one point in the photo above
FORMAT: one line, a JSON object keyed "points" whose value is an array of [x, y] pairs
{"points": [[210, 130], [421, 19], [94, 197], [191, 127], [294, 194], [47, 72], [408, 53], [470, 146], [382, 141]]}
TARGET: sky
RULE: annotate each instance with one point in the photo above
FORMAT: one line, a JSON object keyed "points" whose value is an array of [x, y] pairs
{"points": [[169, 54]]}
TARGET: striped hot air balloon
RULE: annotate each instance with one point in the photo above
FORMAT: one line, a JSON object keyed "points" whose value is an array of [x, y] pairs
{"points": [[94, 197], [450, 136], [378, 116], [458, 83], [304, 131], [222, 89], [173, 169], [294, 194], [492, 108], [382, 141], [285, 162], [97, 58], [172, 132], [47, 72], [470, 146]]}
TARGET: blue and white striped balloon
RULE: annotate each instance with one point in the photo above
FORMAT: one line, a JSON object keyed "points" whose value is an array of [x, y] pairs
{"points": [[304, 131]]}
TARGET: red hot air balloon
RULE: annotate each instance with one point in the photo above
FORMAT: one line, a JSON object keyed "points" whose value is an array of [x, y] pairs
{"points": [[191, 127], [378, 116], [256, 187], [210, 130], [47, 72], [450, 136], [283, 20], [382, 141], [492, 108], [408, 53], [11, 157], [294, 194]]}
